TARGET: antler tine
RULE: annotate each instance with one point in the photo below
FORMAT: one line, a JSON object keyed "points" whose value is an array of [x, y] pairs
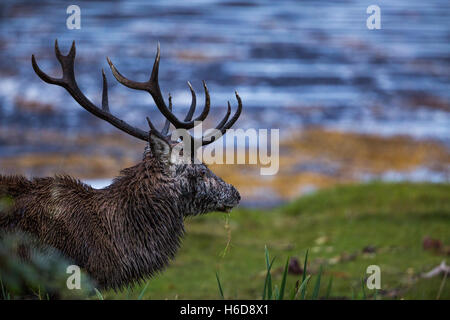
{"points": [[165, 130], [57, 51], [64, 62], [236, 115], [225, 118], [105, 104], [154, 130], [68, 82], [152, 87], [70, 55], [223, 125], [205, 111], [45, 77], [193, 104], [155, 70]]}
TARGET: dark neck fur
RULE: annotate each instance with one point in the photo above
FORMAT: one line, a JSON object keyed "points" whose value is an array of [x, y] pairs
{"points": [[143, 221]]}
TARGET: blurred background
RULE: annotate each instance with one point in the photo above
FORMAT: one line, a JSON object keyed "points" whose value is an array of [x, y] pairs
{"points": [[353, 105]]}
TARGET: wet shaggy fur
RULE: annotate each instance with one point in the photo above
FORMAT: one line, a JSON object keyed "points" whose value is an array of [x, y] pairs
{"points": [[125, 232]]}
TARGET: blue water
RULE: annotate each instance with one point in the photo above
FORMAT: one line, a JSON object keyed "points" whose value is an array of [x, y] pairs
{"points": [[294, 63]]}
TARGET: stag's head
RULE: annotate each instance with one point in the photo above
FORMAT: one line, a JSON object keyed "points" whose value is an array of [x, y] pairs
{"points": [[171, 162], [192, 185]]}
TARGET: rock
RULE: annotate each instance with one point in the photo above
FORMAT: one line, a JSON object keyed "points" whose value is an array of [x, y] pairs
{"points": [[294, 267], [369, 249], [431, 244]]}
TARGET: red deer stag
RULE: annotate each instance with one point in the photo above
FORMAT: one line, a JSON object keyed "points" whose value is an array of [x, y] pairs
{"points": [[131, 229]]}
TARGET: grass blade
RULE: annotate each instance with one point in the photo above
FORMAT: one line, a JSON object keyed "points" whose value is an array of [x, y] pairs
{"points": [[283, 280], [295, 289], [330, 283], [442, 286], [267, 257], [363, 290], [3, 289], [6, 295], [353, 294], [268, 280], [268, 283], [303, 286], [38, 294], [317, 286], [220, 286], [267, 267], [141, 295], [303, 290], [99, 294]]}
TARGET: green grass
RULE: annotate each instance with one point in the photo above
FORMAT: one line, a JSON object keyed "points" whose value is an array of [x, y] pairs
{"points": [[335, 225]]}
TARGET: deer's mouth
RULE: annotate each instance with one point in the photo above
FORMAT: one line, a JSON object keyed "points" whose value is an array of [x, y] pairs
{"points": [[225, 208]]}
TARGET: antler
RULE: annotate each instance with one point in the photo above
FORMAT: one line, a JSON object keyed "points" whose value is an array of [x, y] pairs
{"points": [[151, 86], [69, 83]]}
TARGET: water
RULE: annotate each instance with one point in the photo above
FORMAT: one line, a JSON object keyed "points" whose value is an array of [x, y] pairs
{"points": [[294, 63]]}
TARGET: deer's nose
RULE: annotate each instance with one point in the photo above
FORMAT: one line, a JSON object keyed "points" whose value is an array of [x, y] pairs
{"points": [[236, 195]]}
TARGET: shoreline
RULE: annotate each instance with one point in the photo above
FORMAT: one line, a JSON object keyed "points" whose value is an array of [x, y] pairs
{"points": [[310, 160]]}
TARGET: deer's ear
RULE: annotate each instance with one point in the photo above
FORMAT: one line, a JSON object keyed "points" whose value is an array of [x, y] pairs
{"points": [[160, 147]]}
